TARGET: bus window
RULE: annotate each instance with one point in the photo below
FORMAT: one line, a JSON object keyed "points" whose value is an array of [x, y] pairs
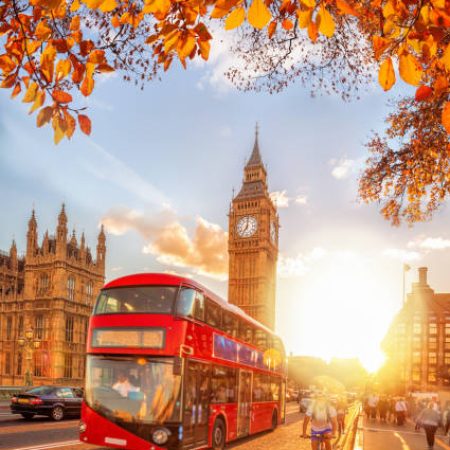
{"points": [[245, 331], [191, 304], [261, 339], [213, 313], [137, 299], [223, 385], [275, 388], [229, 323], [261, 387]]}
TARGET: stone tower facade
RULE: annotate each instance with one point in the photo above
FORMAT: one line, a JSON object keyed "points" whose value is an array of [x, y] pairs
{"points": [[253, 244], [48, 293]]}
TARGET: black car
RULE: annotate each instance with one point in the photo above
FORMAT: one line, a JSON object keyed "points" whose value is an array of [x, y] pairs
{"points": [[56, 402]]}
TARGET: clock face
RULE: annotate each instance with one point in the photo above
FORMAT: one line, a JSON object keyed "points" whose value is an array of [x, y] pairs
{"points": [[273, 231], [246, 226]]}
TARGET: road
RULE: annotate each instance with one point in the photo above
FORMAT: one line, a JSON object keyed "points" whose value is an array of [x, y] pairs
{"points": [[389, 436], [42, 434]]}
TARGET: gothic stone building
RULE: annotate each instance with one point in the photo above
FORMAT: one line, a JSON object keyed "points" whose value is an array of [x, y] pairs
{"points": [[253, 244], [50, 293], [417, 344]]}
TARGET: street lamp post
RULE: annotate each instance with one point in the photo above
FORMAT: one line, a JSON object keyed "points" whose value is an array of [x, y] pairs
{"points": [[29, 345]]}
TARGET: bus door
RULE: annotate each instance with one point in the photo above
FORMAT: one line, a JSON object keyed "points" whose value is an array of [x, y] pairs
{"points": [[283, 401], [196, 404], [244, 403]]}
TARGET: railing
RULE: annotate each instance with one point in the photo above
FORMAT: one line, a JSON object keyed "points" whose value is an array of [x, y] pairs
{"points": [[6, 392], [347, 441]]}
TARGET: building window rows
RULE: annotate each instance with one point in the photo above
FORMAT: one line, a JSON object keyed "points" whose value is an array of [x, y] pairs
{"points": [[69, 329], [71, 288]]}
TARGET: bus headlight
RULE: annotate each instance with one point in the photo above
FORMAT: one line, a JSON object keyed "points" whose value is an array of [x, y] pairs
{"points": [[83, 427], [160, 436]]}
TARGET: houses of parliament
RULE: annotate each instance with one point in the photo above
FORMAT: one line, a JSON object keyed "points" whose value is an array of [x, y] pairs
{"points": [[46, 298], [47, 295]]}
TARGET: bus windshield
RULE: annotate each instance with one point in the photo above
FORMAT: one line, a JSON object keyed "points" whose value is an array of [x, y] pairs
{"points": [[133, 391], [137, 299]]}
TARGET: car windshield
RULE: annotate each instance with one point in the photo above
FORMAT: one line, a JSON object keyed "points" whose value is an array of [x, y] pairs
{"points": [[137, 299], [133, 391], [41, 390]]}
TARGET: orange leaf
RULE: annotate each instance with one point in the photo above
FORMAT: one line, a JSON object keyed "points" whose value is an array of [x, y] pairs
{"points": [[61, 97], [104, 68], [312, 31], [16, 90], [304, 17], [446, 117], [108, 6], [48, 62], [71, 124], [59, 127], [185, 47], [287, 24], [31, 93], [271, 29], [115, 22], [380, 44], [75, 6], [85, 124], [87, 86], [258, 14], [44, 116], [423, 93], [204, 47], [386, 74], [38, 102], [97, 57], [410, 69], [158, 7], [235, 18], [325, 22], [7, 64], [43, 31], [345, 8], [75, 23], [446, 58], [32, 46]]}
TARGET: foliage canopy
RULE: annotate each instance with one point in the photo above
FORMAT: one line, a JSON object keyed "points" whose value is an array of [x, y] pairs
{"points": [[52, 49]]}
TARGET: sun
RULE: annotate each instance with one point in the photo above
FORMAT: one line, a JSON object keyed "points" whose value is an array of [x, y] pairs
{"points": [[346, 311]]}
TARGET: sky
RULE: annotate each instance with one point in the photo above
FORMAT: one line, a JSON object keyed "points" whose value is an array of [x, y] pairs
{"points": [[159, 171]]}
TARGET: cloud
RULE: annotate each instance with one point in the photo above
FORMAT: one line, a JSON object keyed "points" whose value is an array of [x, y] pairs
{"points": [[430, 243], [205, 252], [342, 168], [280, 199], [402, 255], [301, 199], [290, 267]]}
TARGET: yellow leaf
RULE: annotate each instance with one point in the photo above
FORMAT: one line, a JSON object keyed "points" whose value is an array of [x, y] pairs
{"points": [[410, 69], [326, 22], [43, 31], [38, 102], [388, 9], [204, 47], [44, 116], [258, 14], [157, 7], [75, 6], [48, 62], [108, 6], [63, 69], [386, 74], [309, 3], [32, 46], [186, 47], [446, 58], [235, 18], [171, 40], [446, 117], [7, 64], [30, 95], [93, 4], [304, 17]]}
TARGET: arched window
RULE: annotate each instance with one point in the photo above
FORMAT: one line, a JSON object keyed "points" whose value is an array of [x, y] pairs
{"points": [[89, 291], [71, 287], [44, 284]]}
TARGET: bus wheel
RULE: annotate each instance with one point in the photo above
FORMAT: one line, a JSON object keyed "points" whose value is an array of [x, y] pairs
{"points": [[274, 419], [218, 435]]}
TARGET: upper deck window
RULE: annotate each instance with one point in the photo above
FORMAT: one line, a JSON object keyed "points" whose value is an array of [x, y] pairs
{"points": [[191, 303], [136, 299]]}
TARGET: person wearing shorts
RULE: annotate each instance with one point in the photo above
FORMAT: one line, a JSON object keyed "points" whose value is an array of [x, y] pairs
{"points": [[323, 422]]}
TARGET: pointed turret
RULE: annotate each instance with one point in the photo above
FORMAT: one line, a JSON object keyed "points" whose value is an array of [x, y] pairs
{"points": [[13, 255], [73, 239], [61, 233], [32, 236], [255, 157], [83, 241], [45, 246], [101, 249]]}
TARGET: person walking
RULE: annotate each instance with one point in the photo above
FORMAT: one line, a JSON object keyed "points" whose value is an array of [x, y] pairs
{"points": [[341, 411], [400, 411], [430, 420], [383, 406]]}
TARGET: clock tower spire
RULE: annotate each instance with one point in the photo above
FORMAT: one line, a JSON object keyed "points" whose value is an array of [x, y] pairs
{"points": [[253, 243]]}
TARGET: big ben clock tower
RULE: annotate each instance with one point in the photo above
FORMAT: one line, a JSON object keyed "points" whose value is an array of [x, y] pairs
{"points": [[253, 244]]}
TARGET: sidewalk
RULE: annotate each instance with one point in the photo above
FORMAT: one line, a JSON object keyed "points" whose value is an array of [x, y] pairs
{"points": [[4, 405]]}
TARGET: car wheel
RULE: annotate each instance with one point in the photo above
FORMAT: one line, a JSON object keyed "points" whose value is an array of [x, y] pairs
{"points": [[27, 416], [218, 435], [274, 420], [57, 413]]}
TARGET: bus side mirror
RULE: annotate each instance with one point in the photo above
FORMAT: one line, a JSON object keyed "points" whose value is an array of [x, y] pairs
{"points": [[177, 365]]}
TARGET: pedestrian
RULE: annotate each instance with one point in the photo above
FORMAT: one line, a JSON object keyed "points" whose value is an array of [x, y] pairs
{"points": [[372, 402], [341, 411], [400, 411], [446, 417], [383, 406], [430, 420]]}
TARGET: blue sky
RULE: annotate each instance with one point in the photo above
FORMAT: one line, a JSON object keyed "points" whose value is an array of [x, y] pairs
{"points": [[162, 163]]}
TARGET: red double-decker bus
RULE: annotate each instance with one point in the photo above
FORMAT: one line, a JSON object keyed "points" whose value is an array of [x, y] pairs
{"points": [[172, 366]]}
